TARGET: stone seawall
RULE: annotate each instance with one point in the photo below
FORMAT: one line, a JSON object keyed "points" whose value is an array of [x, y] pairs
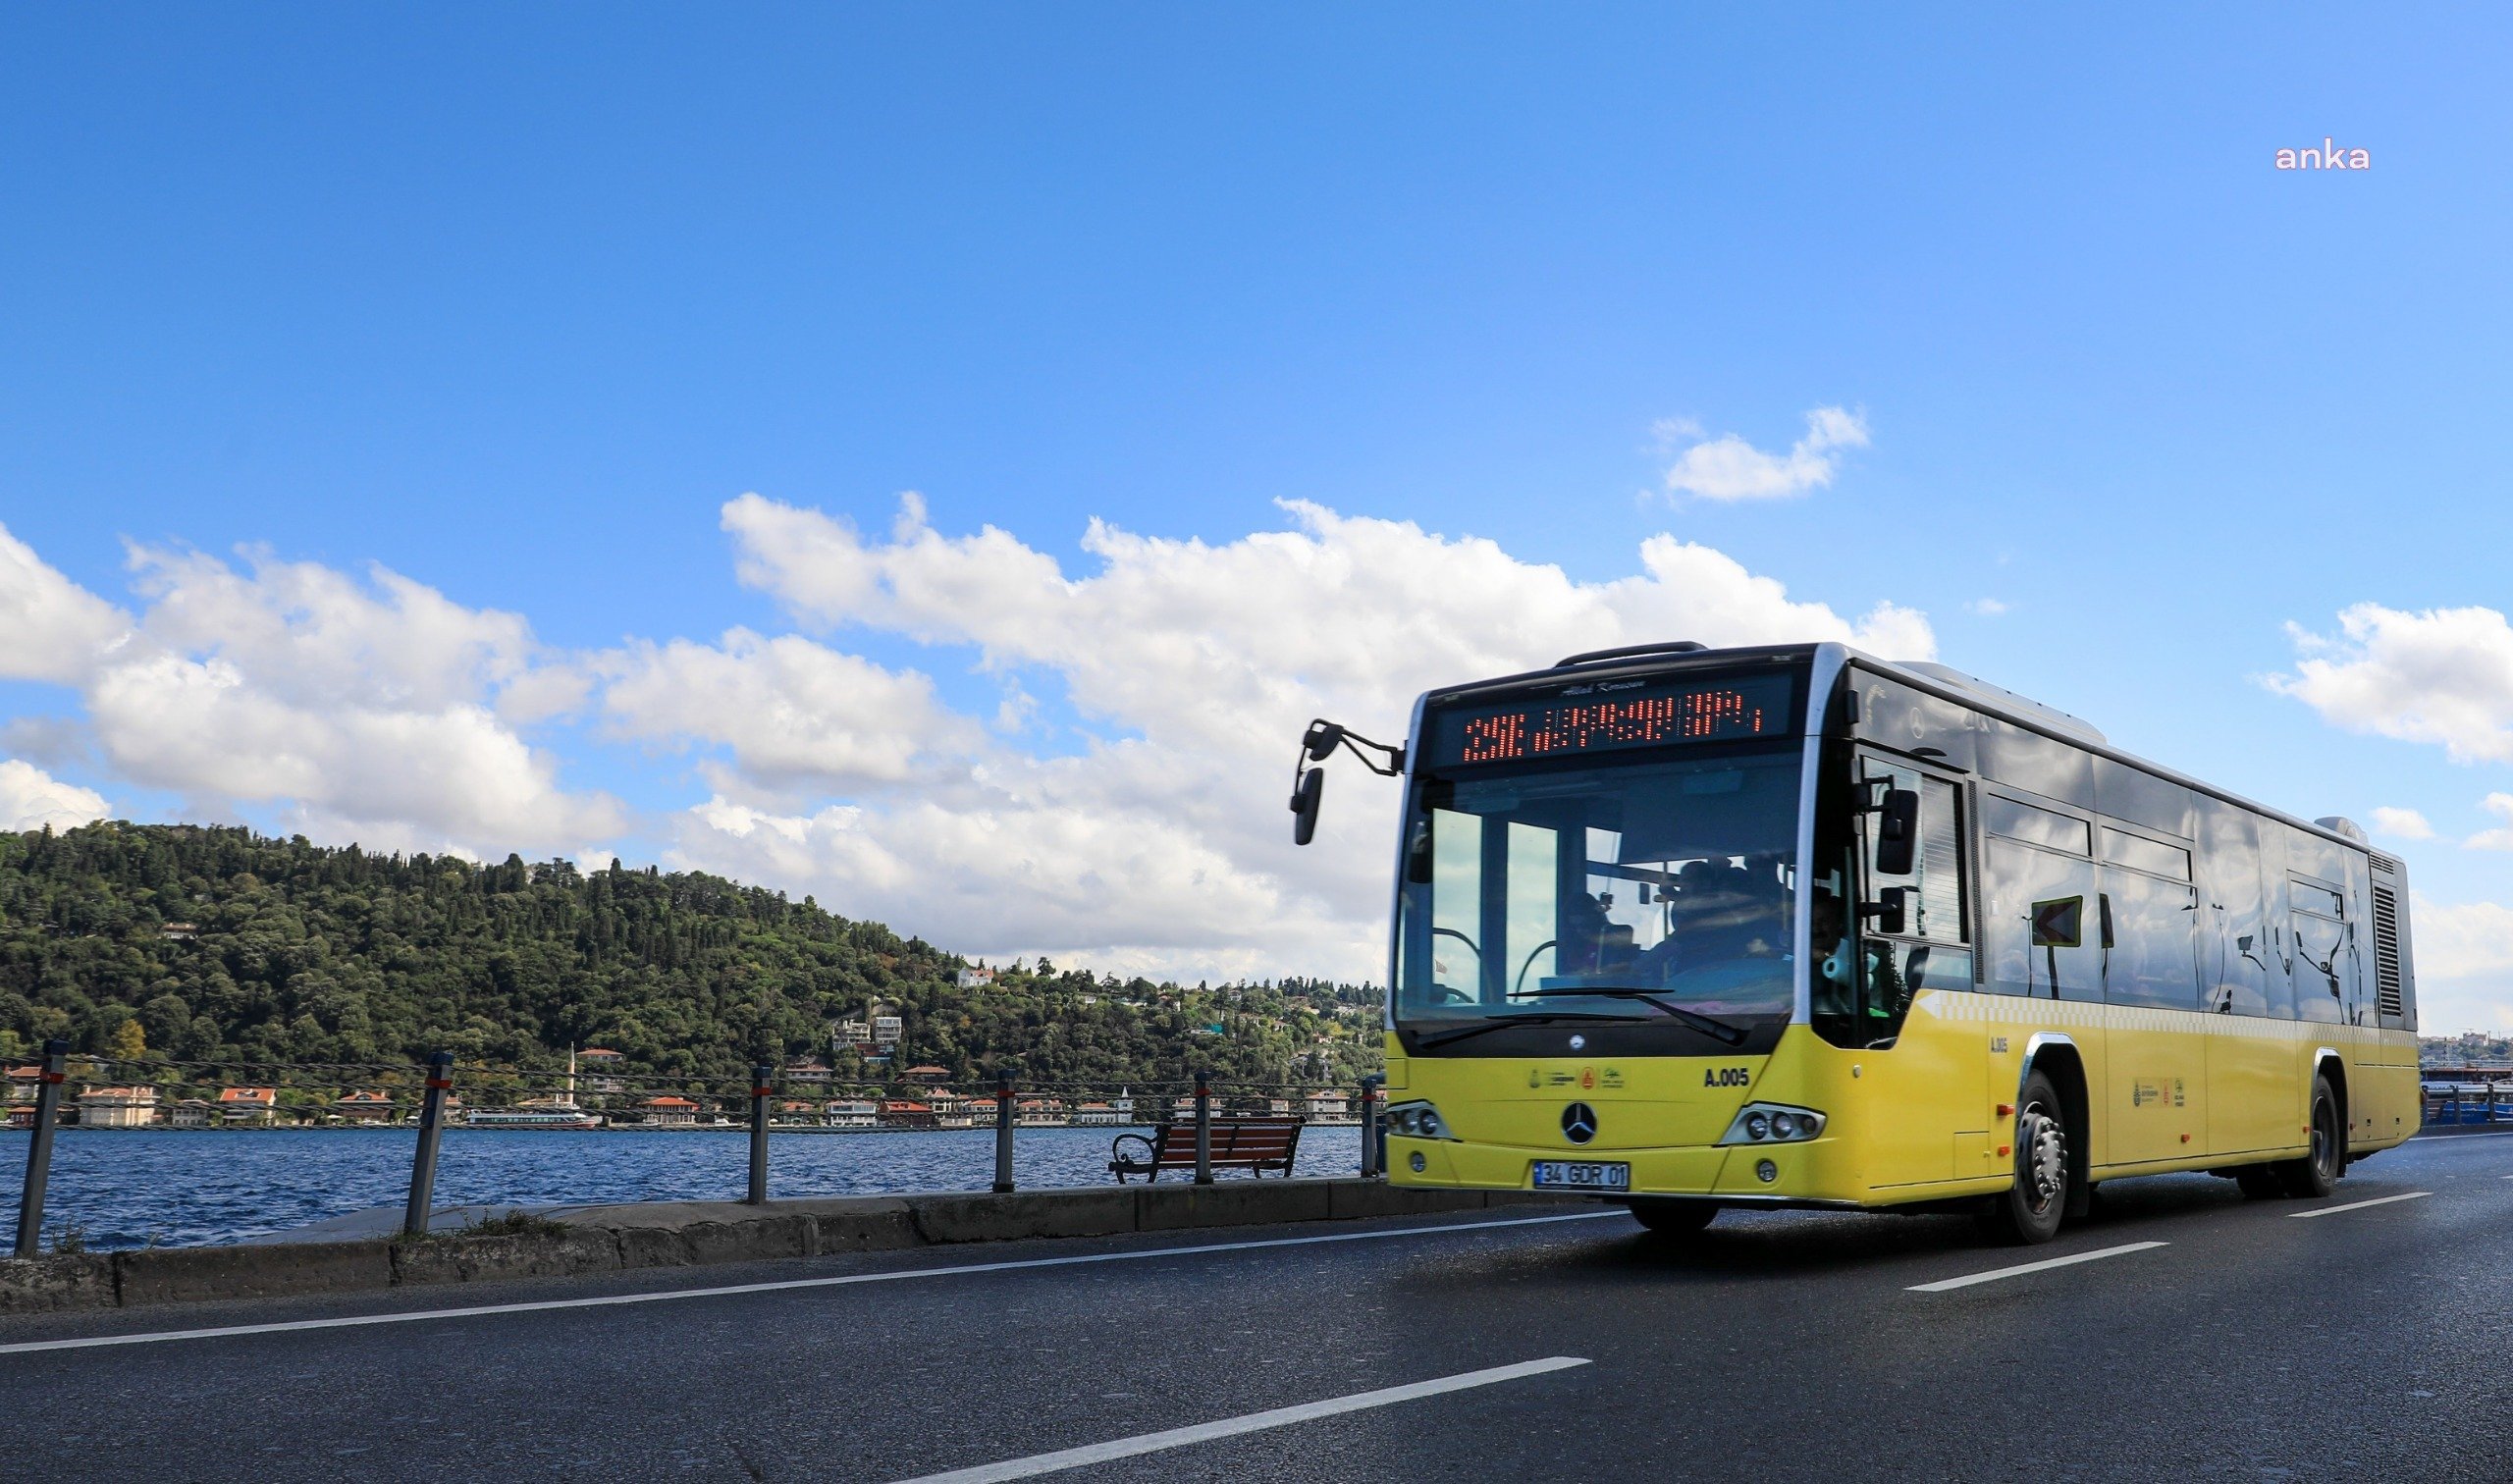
{"points": [[688, 1234]]}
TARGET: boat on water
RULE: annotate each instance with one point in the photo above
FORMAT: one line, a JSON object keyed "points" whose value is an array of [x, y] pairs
{"points": [[532, 1118]]}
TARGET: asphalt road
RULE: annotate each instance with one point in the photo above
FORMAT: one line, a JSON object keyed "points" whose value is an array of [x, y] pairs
{"points": [[2251, 1342]]}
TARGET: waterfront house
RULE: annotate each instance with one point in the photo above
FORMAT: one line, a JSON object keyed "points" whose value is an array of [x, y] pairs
{"points": [[904, 1113], [1327, 1105], [190, 1113], [1097, 1115], [669, 1112], [851, 1113], [364, 1107], [247, 1105], [117, 1107]]}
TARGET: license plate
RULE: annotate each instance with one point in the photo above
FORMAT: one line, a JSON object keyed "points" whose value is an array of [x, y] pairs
{"points": [[1581, 1175]]}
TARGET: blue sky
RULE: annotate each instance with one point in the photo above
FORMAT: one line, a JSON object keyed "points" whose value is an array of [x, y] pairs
{"points": [[514, 302]]}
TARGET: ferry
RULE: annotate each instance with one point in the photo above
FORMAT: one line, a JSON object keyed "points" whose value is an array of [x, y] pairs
{"points": [[532, 1118]]}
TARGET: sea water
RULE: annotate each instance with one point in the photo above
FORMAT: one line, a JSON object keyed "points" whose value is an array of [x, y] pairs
{"points": [[125, 1188]]}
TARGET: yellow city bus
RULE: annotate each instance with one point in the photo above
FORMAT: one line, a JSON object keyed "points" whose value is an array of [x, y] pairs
{"points": [[1793, 927]]}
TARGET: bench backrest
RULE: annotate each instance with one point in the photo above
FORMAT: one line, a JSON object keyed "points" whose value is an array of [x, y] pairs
{"points": [[1238, 1141]]}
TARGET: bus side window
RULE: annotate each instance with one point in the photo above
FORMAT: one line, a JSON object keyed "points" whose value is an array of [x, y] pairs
{"points": [[2234, 936], [2320, 946], [2041, 912]]}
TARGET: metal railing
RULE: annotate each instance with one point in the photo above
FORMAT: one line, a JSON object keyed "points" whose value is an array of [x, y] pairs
{"points": [[432, 1088]]}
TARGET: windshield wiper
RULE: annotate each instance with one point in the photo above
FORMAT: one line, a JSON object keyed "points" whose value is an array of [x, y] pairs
{"points": [[1718, 1029], [1504, 1022]]}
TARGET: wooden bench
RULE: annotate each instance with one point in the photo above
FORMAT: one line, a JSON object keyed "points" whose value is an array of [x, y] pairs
{"points": [[1254, 1144]]}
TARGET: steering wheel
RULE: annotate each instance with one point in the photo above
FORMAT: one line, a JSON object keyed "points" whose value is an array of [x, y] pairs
{"points": [[1450, 994]]}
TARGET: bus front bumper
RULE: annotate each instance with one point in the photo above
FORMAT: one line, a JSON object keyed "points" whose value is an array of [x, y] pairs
{"points": [[1798, 1174]]}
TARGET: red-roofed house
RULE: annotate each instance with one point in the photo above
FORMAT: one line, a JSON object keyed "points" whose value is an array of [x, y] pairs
{"points": [[669, 1112], [117, 1107], [241, 1105], [365, 1107]]}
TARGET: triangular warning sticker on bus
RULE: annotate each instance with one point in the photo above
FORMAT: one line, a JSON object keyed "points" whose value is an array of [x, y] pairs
{"points": [[2059, 923]]}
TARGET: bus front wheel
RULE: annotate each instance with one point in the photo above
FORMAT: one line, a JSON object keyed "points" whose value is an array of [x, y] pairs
{"points": [[2030, 1211], [2317, 1173]]}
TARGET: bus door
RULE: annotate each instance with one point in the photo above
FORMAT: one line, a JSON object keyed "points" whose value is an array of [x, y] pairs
{"points": [[2146, 911], [1932, 1070]]}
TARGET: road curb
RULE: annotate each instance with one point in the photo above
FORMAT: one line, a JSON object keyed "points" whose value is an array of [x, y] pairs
{"points": [[693, 1234]]}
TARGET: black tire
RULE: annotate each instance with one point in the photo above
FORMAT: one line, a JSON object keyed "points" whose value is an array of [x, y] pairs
{"points": [[2260, 1181], [2029, 1212], [2317, 1173], [1674, 1218]]}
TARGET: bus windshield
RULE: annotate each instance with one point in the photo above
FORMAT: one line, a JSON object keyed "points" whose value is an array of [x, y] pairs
{"points": [[1656, 893]]}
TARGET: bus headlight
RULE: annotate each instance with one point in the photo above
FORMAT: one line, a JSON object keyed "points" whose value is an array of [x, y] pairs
{"points": [[1416, 1120], [1773, 1123]]}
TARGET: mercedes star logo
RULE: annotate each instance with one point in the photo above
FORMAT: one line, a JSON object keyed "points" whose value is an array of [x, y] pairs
{"points": [[1579, 1122]]}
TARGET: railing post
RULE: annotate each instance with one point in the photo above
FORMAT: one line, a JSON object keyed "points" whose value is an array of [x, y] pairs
{"points": [[1370, 1150], [415, 1216], [1004, 1131], [1203, 1128], [760, 1092], [56, 1056]]}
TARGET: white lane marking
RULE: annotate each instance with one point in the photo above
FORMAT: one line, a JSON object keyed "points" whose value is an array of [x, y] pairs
{"points": [[784, 1285], [2022, 1268], [1281, 1416], [2358, 1205]]}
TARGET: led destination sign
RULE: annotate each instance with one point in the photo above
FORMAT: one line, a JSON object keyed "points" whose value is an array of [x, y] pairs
{"points": [[1607, 717]]}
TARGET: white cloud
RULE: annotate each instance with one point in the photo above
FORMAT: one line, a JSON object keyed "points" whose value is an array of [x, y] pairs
{"points": [[30, 799], [1172, 675], [1988, 607], [2444, 675], [799, 717], [2464, 958], [50, 627], [2500, 837], [2402, 823], [1206, 660], [365, 711], [1730, 468]]}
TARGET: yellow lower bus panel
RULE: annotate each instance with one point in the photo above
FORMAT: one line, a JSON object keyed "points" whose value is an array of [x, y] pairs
{"points": [[1929, 1118]]}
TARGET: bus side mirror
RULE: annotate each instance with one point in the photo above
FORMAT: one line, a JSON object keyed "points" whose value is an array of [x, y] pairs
{"points": [[1305, 796], [1898, 831], [1890, 918]]}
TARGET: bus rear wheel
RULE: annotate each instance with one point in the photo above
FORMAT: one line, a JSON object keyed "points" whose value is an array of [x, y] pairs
{"points": [[2029, 1212], [2317, 1173], [1674, 1218]]}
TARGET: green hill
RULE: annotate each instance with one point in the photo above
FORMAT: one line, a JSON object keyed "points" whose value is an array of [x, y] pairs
{"points": [[217, 945]]}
